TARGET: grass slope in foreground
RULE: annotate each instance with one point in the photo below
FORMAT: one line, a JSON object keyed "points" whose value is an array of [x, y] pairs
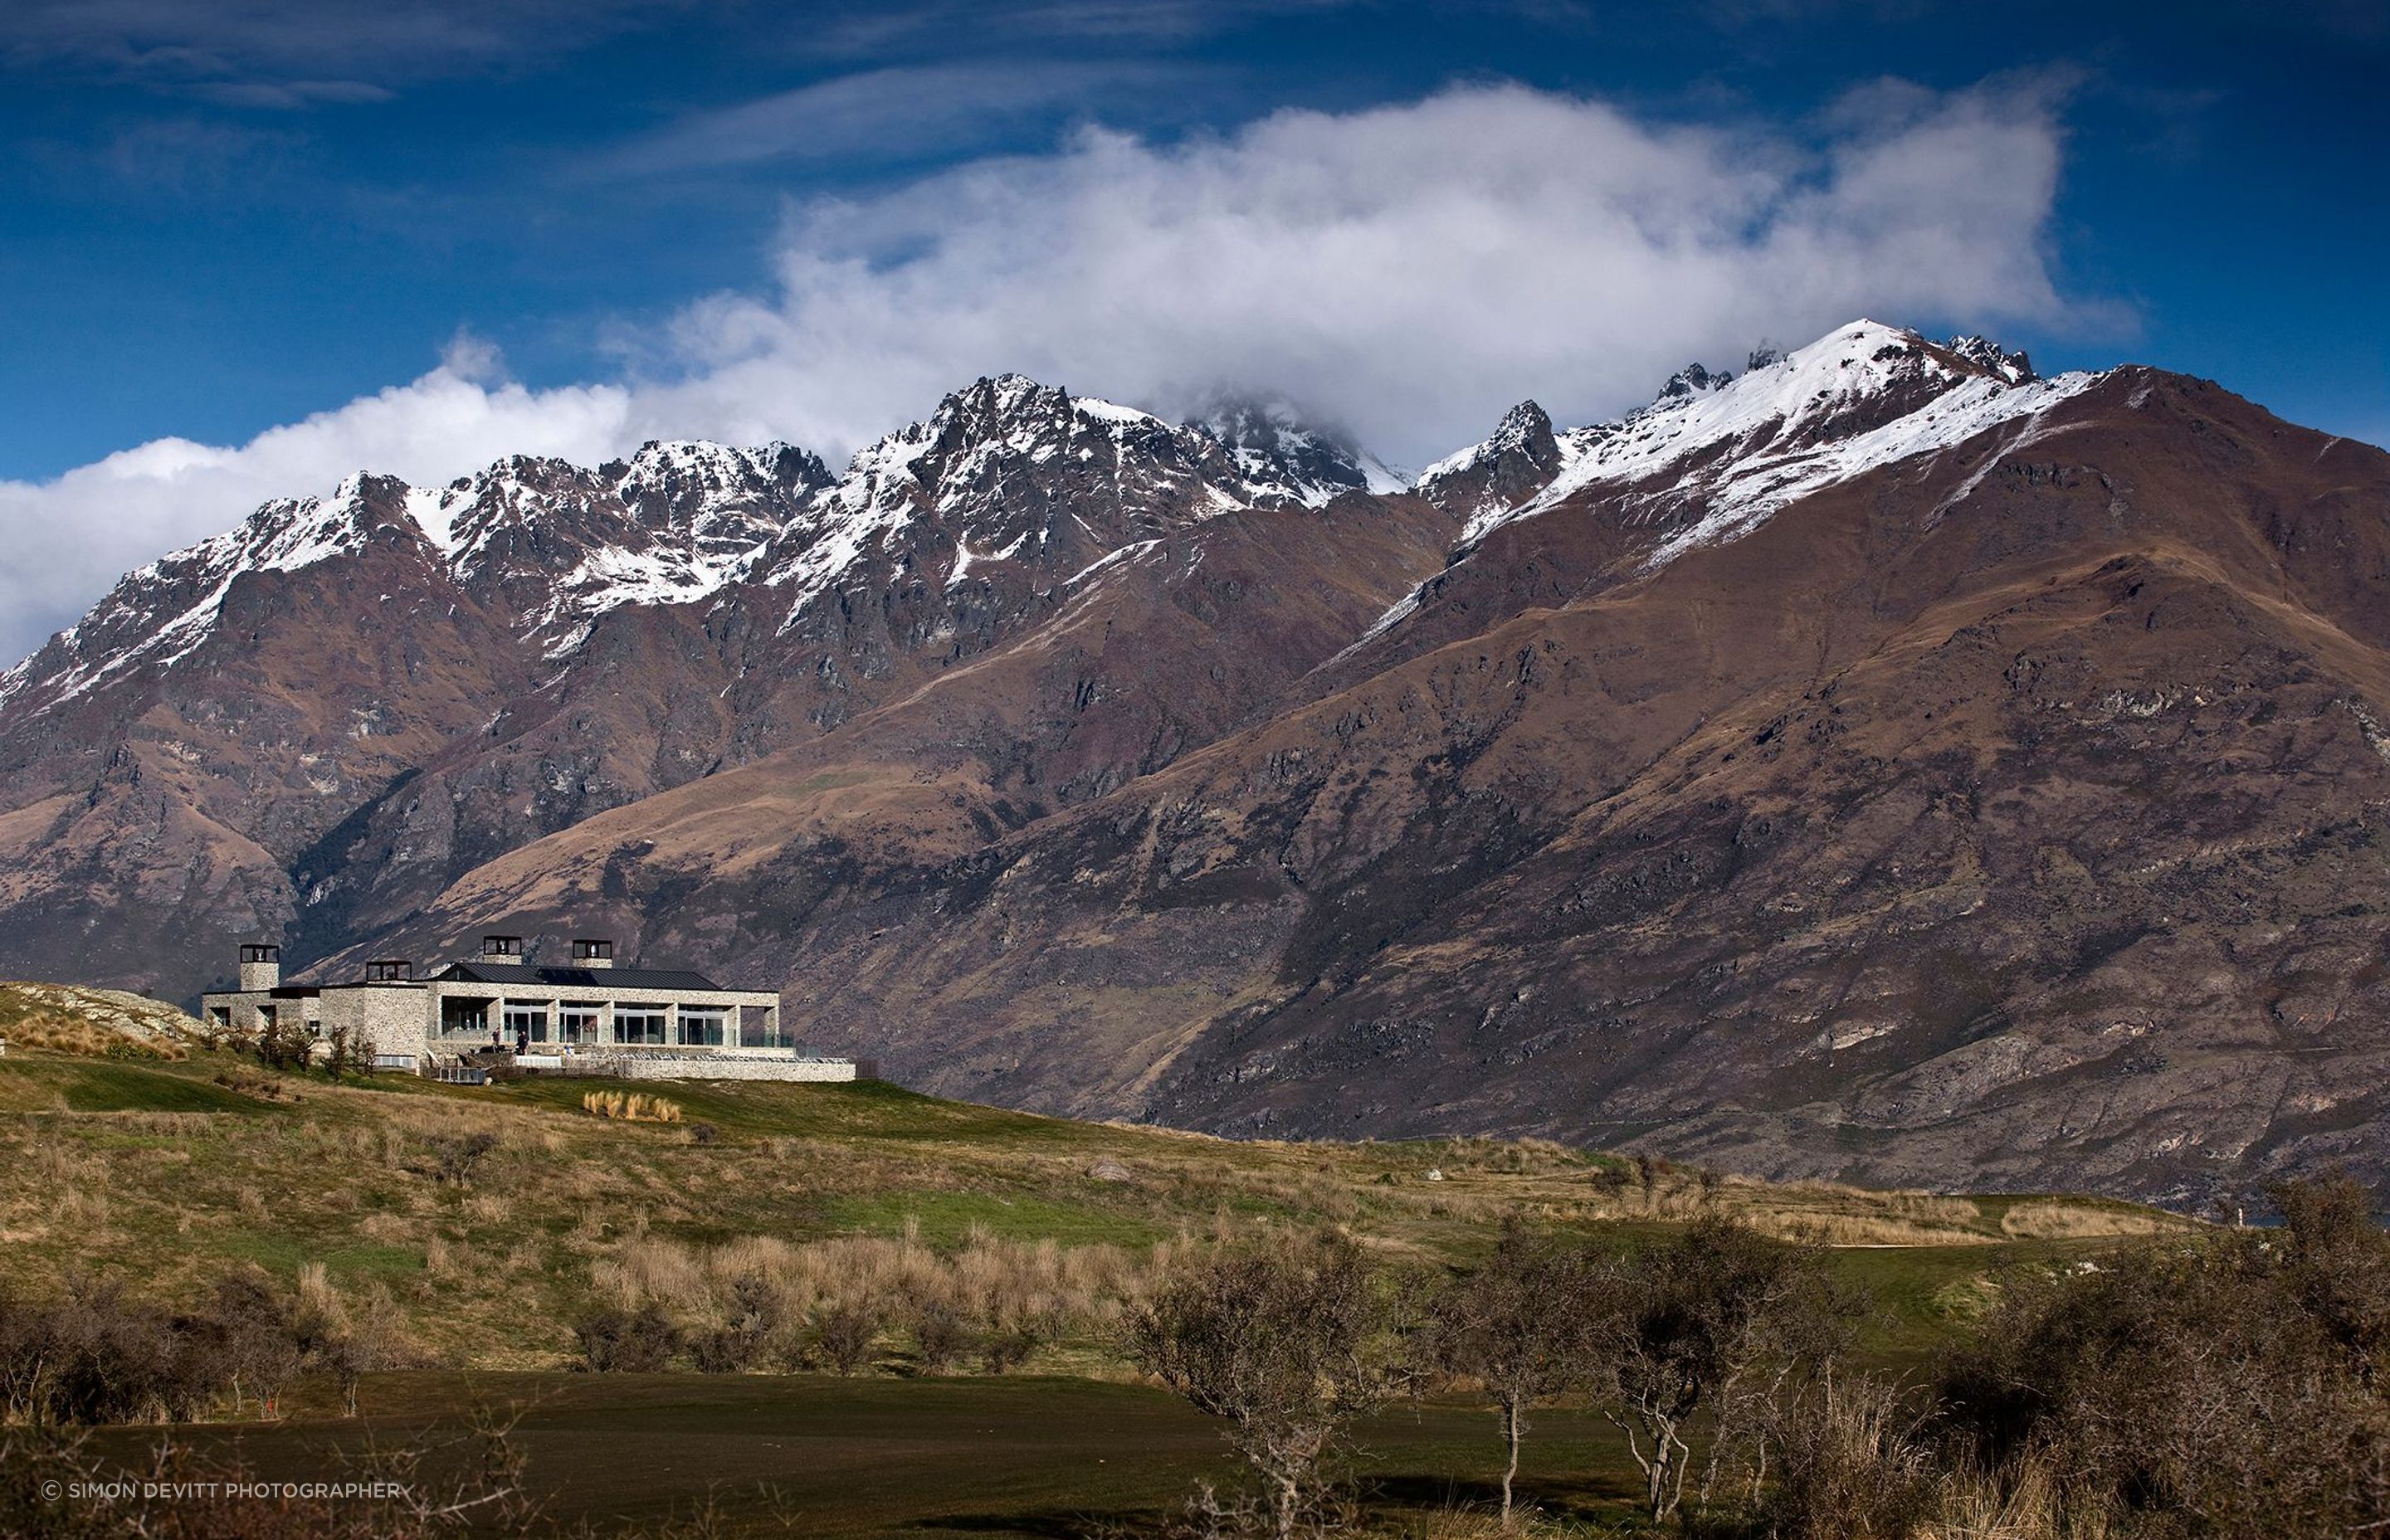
{"points": [[473, 1270]]}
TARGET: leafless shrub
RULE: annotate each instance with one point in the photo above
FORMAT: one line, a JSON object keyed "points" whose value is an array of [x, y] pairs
{"points": [[1514, 1329], [614, 1340], [1287, 1342], [2225, 1385], [845, 1334], [941, 1335], [1716, 1320], [452, 1158]]}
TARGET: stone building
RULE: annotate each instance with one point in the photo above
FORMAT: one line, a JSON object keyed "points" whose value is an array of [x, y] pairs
{"points": [[648, 1023]]}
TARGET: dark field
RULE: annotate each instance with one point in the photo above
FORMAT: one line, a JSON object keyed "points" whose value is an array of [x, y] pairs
{"points": [[162, 1178], [813, 1455]]}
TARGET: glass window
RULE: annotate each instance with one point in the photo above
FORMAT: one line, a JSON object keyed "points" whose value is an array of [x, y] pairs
{"points": [[220, 1014], [526, 1020], [265, 1015], [700, 1026], [639, 1025], [464, 1017], [576, 1022]]}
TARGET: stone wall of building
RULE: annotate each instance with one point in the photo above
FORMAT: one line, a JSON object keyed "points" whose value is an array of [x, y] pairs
{"points": [[725, 1067], [391, 1018]]}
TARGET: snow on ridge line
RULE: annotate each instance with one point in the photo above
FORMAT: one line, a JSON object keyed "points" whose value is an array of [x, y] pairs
{"points": [[1110, 411], [1768, 405], [867, 504], [1749, 494]]}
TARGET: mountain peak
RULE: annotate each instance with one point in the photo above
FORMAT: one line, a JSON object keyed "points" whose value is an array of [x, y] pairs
{"points": [[1524, 424], [1989, 356], [1694, 380], [1862, 395], [1278, 448], [1521, 455]]}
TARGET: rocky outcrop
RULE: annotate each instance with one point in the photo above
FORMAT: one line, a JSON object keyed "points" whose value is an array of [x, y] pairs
{"points": [[1884, 763]]}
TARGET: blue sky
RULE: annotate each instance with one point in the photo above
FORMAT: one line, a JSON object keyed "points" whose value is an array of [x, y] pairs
{"points": [[436, 227]]}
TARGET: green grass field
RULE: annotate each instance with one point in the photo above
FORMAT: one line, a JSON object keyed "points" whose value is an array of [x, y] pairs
{"points": [[165, 1176]]}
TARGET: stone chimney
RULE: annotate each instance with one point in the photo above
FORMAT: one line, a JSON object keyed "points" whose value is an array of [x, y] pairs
{"points": [[261, 968], [593, 952], [502, 948]]}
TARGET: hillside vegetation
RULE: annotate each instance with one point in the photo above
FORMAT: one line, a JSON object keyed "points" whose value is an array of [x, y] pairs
{"points": [[764, 1256], [170, 1173], [99, 1023]]}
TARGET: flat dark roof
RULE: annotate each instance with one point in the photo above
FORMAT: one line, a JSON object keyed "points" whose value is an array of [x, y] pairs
{"points": [[601, 979]]}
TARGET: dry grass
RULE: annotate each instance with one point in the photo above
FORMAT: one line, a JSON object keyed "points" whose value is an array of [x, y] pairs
{"points": [[1015, 1224], [64, 1034], [1473, 1521], [2064, 1219], [2029, 1504], [95, 1023], [637, 1106], [1850, 1229], [1065, 1295]]}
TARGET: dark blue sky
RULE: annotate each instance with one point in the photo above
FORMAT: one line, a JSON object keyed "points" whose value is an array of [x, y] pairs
{"points": [[221, 218]]}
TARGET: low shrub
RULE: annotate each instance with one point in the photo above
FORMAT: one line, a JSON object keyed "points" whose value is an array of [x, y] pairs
{"points": [[614, 1340]]}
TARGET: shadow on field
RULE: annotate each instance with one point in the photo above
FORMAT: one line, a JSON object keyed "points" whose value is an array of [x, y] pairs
{"points": [[1045, 1524]]}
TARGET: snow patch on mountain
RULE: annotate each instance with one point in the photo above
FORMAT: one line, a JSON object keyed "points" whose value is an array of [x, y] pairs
{"points": [[1733, 450], [159, 614], [1278, 453], [1006, 468]]}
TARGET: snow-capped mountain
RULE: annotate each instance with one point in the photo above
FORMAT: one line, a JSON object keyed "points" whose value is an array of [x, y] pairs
{"points": [[428, 676], [1006, 470], [1714, 453], [1875, 761], [1275, 446]]}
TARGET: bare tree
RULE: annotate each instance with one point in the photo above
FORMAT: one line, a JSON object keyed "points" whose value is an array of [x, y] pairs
{"points": [[1693, 1325], [1513, 1328], [1287, 1342], [2220, 1385], [845, 1333]]}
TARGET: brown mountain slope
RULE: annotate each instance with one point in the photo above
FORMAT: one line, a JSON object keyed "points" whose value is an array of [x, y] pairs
{"points": [[1156, 653], [2009, 810], [311, 725], [147, 817]]}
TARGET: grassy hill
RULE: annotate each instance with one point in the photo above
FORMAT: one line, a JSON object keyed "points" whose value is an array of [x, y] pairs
{"points": [[471, 1269], [100, 1023]]}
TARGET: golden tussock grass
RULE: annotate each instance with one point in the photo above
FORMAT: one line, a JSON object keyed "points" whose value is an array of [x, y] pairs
{"points": [[2028, 1504], [2060, 1219], [64, 1034], [1858, 1229], [1060, 1291], [635, 1107]]}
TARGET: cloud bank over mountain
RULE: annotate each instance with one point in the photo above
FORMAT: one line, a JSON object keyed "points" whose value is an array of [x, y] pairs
{"points": [[1405, 271]]}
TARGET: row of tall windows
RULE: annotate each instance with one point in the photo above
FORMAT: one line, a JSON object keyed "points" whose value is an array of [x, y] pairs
{"points": [[582, 1022], [702, 1026], [639, 1025]]}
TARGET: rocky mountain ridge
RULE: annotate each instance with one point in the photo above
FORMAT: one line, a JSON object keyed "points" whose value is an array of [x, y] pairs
{"points": [[1882, 762]]}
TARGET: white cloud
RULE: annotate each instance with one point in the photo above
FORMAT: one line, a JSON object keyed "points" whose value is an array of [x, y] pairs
{"points": [[1409, 271], [888, 114], [69, 540]]}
